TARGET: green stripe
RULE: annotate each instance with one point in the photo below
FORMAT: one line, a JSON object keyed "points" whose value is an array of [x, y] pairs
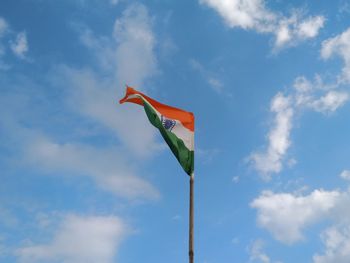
{"points": [[177, 146]]}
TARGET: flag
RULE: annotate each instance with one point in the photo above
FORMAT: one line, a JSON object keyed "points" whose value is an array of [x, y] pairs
{"points": [[175, 125]]}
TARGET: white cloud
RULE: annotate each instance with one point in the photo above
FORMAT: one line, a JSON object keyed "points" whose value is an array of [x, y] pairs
{"points": [[345, 174], [129, 54], [136, 60], [114, 2], [127, 57], [92, 98], [254, 15], [3, 29], [214, 82], [282, 35], [248, 14], [285, 215], [337, 242], [109, 168], [294, 29], [340, 46], [314, 95], [270, 161], [235, 179], [3, 26], [96, 98], [257, 253], [344, 9], [79, 239], [336, 238], [306, 91], [20, 45], [309, 28], [330, 102]]}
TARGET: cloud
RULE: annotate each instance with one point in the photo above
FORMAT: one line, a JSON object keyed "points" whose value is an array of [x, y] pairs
{"points": [[3, 26], [129, 53], [96, 99], [306, 95], [3, 29], [235, 179], [344, 9], [285, 215], [257, 253], [295, 29], [315, 95], [216, 85], [79, 239], [135, 55], [114, 2], [345, 174], [214, 82], [312, 95], [336, 238], [330, 102], [309, 28], [270, 161], [254, 15], [20, 46], [337, 242], [339, 46], [109, 168], [86, 102], [126, 57], [245, 14]]}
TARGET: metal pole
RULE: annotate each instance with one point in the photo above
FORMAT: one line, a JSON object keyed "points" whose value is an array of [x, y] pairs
{"points": [[190, 251]]}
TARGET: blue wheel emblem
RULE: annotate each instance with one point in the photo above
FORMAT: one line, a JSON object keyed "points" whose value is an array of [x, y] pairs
{"points": [[168, 124]]}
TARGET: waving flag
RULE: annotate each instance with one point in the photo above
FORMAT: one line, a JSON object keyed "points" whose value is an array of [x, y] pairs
{"points": [[175, 125]]}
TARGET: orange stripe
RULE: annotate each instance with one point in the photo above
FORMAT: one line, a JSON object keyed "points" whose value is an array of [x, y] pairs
{"points": [[186, 118]]}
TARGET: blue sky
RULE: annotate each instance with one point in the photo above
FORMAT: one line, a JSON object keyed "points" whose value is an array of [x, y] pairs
{"points": [[84, 179]]}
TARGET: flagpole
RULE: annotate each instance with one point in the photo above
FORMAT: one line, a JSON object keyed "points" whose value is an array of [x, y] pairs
{"points": [[190, 251]]}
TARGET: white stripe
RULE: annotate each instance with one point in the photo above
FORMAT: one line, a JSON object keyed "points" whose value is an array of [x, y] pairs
{"points": [[184, 134], [134, 96]]}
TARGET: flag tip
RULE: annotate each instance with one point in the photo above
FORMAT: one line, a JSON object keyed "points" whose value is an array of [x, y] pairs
{"points": [[123, 99]]}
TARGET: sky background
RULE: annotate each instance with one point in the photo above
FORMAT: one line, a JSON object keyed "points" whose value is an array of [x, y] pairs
{"points": [[86, 180]]}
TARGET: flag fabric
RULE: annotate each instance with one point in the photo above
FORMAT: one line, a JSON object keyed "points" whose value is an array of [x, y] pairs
{"points": [[175, 125]]}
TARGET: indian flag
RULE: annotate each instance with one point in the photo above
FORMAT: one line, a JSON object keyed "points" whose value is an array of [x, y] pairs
{"points": [[175, 125]]}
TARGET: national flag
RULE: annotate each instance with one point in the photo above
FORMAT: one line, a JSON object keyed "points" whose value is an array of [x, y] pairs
{"points": [[175, 125]]}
